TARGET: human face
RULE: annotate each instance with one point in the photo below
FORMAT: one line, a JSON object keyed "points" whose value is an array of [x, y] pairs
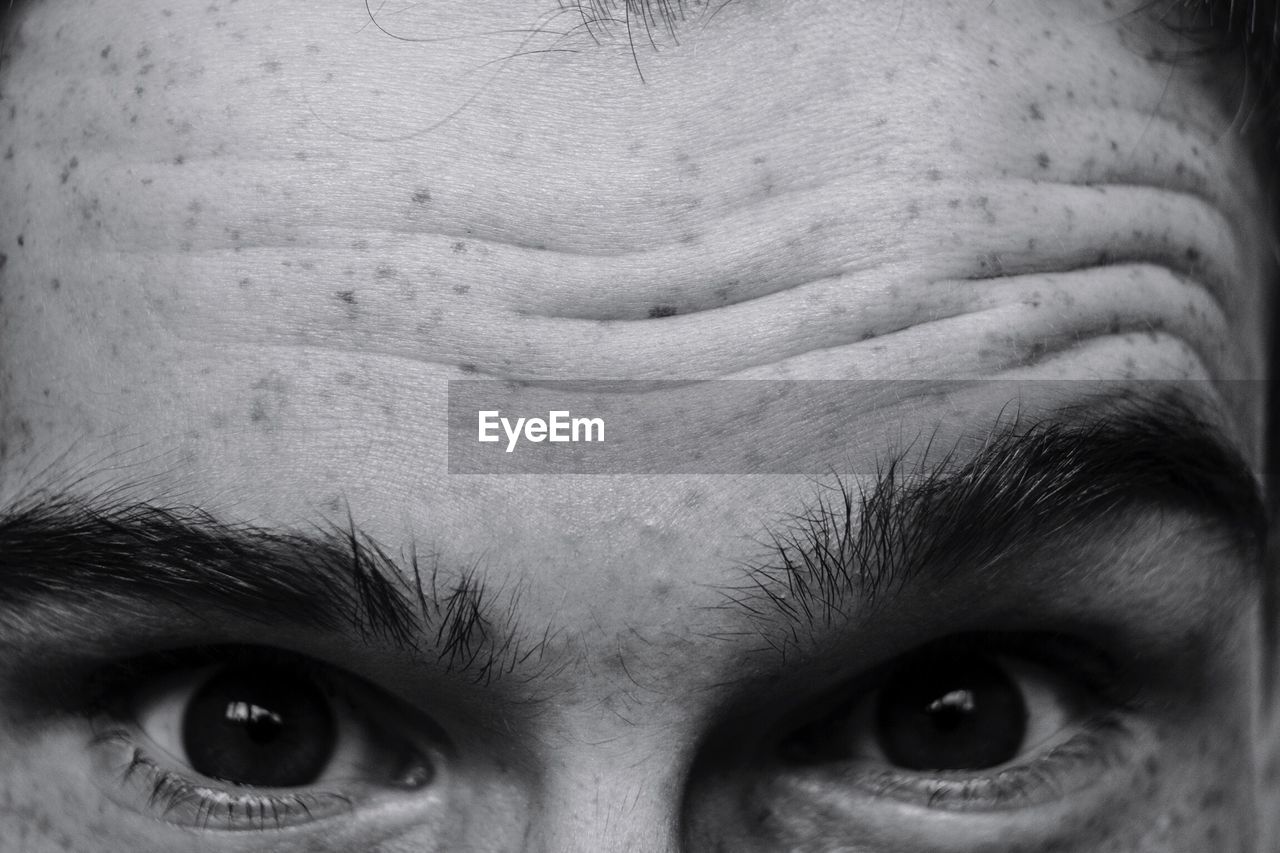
{"points": [[246, 245]]}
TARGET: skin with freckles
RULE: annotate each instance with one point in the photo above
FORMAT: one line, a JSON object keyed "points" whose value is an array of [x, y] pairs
{"points": [[244, 247]]}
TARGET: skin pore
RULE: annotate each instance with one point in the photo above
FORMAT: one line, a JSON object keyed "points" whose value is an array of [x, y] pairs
{"points": [[244, 247]]}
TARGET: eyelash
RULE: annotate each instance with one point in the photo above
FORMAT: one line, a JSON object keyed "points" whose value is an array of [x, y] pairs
{"points": [[141, 777], [1019, 785], [1109, 702], [167, 791]]}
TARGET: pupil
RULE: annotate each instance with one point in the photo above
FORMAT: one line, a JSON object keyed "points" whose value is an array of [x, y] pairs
{"points": [[259, 726], [958, 713], [949, 712]]}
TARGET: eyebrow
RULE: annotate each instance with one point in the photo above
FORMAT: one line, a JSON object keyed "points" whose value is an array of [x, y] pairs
{"points": [[98, 552], [1026, 481], [855, 546]]}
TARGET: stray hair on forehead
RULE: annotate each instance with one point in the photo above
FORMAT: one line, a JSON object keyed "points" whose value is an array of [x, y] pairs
{"points": [[1245, 33], [643, 17]]}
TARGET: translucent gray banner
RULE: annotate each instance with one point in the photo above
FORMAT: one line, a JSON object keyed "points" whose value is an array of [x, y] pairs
{"points": [[785, 426]]}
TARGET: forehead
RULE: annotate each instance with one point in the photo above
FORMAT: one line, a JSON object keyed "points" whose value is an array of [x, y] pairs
{"points": [[248, 245]]}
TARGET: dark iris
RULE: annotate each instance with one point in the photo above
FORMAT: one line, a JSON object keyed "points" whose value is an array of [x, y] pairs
{"points": [[259, 726], [957, 713]]}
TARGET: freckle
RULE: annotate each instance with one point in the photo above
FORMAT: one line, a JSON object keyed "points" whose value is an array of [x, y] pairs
{"points": [[384, 272], [271, 66], [468, 367], [953, 203], [21, 240], [8, 153], [4, 259], [662, 311], [1193, 254], [179, 160], [55, 285], [759, 160], [462, 289], [300, 155], [1036, 114], [106, 51], [245, 282], [459, 248], [1042, 160], [347, 296], [934, 174], [257, 412], [421, 196]]}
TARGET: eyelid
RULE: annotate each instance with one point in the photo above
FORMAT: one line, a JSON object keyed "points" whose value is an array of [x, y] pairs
{"points": [[138, 765], [1096, 706]]}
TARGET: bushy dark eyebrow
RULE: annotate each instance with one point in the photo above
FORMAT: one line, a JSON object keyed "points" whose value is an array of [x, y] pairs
{"points": [[850, 549], [1028, 483], [60, 549]]}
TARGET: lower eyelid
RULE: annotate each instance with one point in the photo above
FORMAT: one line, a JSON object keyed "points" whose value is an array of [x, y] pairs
{"points": [[1096, 757], [132, 779], [142, 777]]}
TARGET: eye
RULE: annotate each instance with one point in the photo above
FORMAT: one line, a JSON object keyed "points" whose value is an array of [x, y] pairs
{"points": [[970, 720], [257, 726], [951, 714], [261, 737]]}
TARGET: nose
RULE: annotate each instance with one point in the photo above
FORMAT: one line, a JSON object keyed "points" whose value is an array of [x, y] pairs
{"points": [[597, 803]]}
